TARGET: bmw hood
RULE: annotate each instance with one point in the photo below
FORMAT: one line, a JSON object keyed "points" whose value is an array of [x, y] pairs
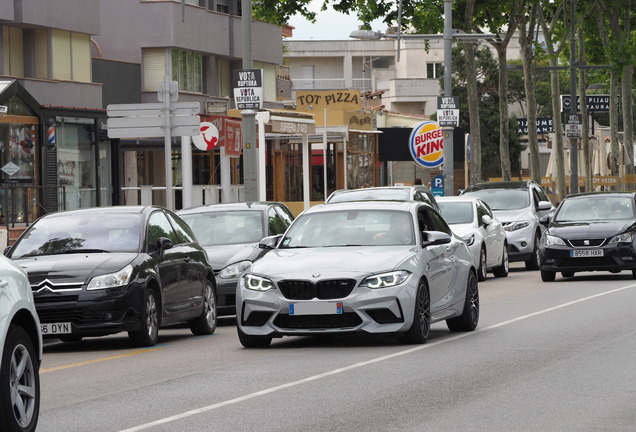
{"points": [[588, 230], [222, 255], [73, 268], [352, 261]]}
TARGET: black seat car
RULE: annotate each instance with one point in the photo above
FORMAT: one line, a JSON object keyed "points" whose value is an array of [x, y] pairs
{"points": [[104, 270], [594, 231]]}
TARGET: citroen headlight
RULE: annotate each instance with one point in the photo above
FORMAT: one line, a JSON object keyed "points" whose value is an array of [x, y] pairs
{"points": [[469, 240], [385, 280], [112, 280], [627, 237], [551, 240], [235, 270], [257, 283], [517, 226]]}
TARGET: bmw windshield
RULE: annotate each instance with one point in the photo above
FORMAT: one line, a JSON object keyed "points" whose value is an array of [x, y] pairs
{"points": [[350, 228]]}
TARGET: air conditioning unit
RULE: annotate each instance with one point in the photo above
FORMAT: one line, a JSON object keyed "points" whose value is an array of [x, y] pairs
{"points": [[3, 110]]}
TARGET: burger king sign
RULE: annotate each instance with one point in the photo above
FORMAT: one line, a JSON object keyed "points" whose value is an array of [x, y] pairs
{"points": [[426, 144]]}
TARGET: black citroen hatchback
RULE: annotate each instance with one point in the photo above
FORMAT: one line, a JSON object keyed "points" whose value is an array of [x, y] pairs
{"points": [[105, 270]]}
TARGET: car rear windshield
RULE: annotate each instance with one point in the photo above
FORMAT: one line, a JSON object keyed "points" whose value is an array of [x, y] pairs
{"points": [[226, 227], [503, 199], [350, 228], [457, 212], [375, 194], [595, 208], [84, 232]]}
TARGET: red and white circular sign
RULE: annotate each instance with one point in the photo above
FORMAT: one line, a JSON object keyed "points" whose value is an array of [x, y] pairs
{"points": [[208, 138]]}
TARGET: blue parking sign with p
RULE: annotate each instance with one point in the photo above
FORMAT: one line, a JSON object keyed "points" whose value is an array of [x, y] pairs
{"points": [[437, 185]]}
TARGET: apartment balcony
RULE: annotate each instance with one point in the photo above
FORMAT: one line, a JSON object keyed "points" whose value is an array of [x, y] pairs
{"points": [[362, 84]]}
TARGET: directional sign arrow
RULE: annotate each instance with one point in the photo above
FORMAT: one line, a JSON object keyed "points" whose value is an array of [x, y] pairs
{"points": [[151, 109]]}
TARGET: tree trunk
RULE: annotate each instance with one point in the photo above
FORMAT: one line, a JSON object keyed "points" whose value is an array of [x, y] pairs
{"points": [[473, 98], [628, 119], [473, 110], [585, 136], [614, 147], [504, 125], [526, 38]]}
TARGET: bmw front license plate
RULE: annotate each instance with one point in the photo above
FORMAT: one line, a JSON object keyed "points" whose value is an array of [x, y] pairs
{"points": [[315, 308], [585, 253], [55, 328]]}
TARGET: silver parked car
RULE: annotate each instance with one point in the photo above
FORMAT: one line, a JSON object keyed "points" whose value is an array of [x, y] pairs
{"points": [[375, 267], [518, 205], [21, 344], [472, 220]]}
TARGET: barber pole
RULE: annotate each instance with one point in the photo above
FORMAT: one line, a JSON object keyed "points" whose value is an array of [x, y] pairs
{"points": [[51, 136]]}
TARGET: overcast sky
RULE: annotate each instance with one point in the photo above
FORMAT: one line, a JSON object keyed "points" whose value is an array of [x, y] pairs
{"points": [[329, 25]]}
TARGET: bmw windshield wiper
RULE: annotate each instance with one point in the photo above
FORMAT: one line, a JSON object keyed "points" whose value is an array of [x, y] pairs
{"points": [[342, 245], [72, 251]]}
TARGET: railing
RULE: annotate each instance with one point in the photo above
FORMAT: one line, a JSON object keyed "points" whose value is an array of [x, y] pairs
{"points": [[201, 194], [318, 84]]}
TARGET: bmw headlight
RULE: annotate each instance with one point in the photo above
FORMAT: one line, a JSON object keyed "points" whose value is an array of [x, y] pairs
{"points": [[627, 237], [469, 240], [112, 280], [551, 240], [517, 226], [235, 270], [385, 280], [257, 283]]}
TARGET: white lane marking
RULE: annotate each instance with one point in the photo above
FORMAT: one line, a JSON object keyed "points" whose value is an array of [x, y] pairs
{"points": [[361, 364]]}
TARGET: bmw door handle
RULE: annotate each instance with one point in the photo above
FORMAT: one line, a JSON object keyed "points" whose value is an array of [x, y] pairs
{"points": [[187, 259]]}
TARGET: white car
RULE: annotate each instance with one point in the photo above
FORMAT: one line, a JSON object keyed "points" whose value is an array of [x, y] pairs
{"points": [[381, 267], [471, 219], [21, 351], [519, 205]]}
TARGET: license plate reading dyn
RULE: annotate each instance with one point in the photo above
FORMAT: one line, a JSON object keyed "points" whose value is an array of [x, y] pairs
{"points": [[584, 253], [315, 308], [55, 328]]}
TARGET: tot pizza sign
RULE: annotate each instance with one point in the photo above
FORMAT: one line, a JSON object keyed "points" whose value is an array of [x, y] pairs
{"points": [[426, 144]]}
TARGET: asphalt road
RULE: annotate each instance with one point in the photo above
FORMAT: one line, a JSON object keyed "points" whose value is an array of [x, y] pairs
{"points": [[553, 356]]}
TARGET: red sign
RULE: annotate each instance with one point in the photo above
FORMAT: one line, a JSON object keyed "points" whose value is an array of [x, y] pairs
{"points": [[233, 138]]}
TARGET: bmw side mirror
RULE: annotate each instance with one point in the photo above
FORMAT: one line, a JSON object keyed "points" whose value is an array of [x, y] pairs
{"points": [[269, 242], [431, 238], [486, 220]]}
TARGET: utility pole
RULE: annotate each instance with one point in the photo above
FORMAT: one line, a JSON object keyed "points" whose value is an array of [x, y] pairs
{"points": [[248, 126]]}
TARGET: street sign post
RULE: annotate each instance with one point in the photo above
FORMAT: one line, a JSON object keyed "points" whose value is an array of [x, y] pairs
{"points": [[148, 119]]}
